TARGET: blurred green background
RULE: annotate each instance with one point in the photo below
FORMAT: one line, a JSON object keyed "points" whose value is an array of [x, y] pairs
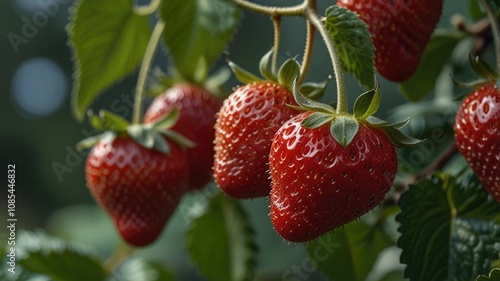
{"points": [[38, 132]]}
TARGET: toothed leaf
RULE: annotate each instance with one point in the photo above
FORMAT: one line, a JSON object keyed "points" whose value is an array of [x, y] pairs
{"points": [[353, 42], [344, 129]]}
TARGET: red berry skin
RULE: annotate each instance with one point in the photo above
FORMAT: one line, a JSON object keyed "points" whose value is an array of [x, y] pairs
{"points": [[400, 31], [198, 108], [138, 187], [317, 185], [477, 135], [245, 128]]}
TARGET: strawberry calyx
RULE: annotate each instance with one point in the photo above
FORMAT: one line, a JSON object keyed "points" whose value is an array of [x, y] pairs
{"points": [[344, 127], [150, 136], [484, 70], [284, 76]]}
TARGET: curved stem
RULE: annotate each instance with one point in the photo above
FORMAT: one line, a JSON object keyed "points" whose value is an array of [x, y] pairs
{"points": [[277, 34], [149, 9], [306, 61], [143, 72], [296, 10], [121, 253], [494, 28], [342, 105]]}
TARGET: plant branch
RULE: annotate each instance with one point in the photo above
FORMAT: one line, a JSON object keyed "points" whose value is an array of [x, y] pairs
{"points": [[306, 61], [495, 29], [277, 37], [296, 10], [143, 72], [149, 9], [312, 16]]}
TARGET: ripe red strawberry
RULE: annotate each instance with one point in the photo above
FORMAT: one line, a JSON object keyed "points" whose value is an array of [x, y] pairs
{"points": [[477, 133], [198, 108], [245, 127], [138, 187], [400, 31], [318, 185]]}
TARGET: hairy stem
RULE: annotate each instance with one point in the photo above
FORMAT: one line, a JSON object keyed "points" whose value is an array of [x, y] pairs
{"points": [[149, 9], [277, 37], [312, 16], [494, 28], [306, 61], [296, 10], [121, 253], [143, 72]]}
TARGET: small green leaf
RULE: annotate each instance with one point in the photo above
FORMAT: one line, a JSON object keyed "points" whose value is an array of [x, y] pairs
{"points": [[141, 135], [367, 104], [399, 139], [197, 30], [168, 121], [39, 253], [354, 43], [139, 269], [220, 241], [95, 121], [344, 129], [313, 90], [376, 121], [482, 68], [88, 142], [160, 144], [242, 75], [108, 40], [265, 66], [493, 276], [450, 229], [113, 122], [436, 55], [310, 104], [179, 139], [317, 119], [350, 252], [288, 72]]}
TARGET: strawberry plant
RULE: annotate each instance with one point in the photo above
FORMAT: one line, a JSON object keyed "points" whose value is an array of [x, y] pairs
{"points": [[410, 192]]}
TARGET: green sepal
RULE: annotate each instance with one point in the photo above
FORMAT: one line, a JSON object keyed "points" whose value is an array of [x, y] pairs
{"points": [[399, 139], [309, 104], [400, 125], [179, 139], [168, 121], [377, 122], [265, 66], [482, 68], [314, 90], [89, 142], [288, 72], [142, 135], [113, 122], [316, 120], [243, 75], [469, 85], [493, 276], [344, 129], [368, 103]]}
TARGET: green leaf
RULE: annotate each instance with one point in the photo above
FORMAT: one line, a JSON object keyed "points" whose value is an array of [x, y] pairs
{"points": [[139, 269], [242, 75], [493, 276], [62, 261], [168, 120], [353, 42], [317, 119], [400, 139], [313, 90], [220, 241], [113, 122], [367, 104], [108, 40], [436, 55], [288, 72], [265, 66], [482, 68], [197, 30], [348, 253], [344, 129], [450, 229], [310, 104]]}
